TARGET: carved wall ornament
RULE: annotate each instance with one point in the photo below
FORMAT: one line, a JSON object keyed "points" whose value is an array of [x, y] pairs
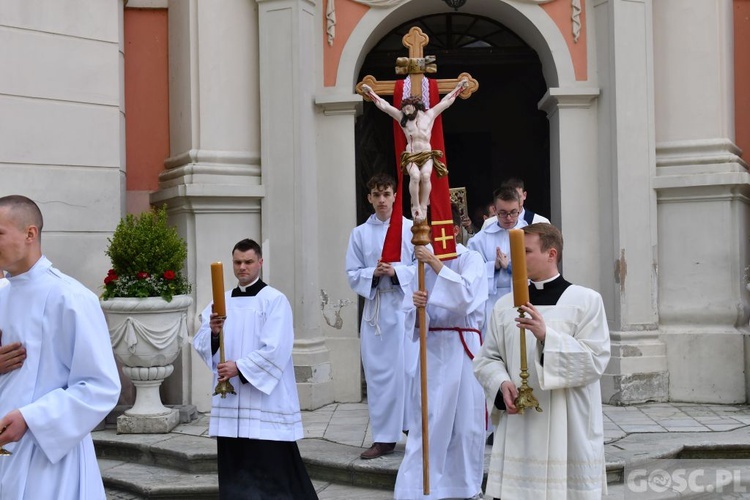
{"points": [[575, 7], [331, 21]]}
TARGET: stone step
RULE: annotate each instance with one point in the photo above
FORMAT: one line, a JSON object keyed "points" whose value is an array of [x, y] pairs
{"points": [[181, 452], [168, 465], [151, 481]]}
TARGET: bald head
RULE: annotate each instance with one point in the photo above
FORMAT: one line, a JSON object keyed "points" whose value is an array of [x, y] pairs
{"points": [[23, 211], [20, 234]]}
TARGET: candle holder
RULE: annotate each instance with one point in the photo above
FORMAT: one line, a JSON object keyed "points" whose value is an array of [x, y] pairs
{"points": [[525, 397], [225, 387]]}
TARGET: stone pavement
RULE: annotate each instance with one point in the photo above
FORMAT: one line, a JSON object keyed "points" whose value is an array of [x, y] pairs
{"points": [[335, 435]]}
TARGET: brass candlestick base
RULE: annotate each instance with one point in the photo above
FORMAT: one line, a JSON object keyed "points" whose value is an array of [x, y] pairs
{"points": [[224, 388], [526, 397]]}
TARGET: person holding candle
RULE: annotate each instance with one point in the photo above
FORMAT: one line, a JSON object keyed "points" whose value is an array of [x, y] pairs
{"points": [[493, 244], [50, 404], [386, 344], [558, 453], [257, 425], [456, 291]]}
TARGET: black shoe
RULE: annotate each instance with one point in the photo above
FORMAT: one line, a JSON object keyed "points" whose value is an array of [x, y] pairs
{"points": [[378, 450]]}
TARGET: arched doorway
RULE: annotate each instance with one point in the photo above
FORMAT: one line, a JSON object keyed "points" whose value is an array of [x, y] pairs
{"points": [[497, 133]]}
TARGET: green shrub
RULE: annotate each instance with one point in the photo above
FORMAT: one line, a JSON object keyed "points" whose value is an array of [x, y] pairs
{"points": [[147, 258]]}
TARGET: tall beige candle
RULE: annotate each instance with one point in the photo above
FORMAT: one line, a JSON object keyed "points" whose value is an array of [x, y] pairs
{"points": [[217, 282], [518, 261]]}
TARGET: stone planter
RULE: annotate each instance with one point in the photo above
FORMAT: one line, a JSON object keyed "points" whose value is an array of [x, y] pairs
{"points": [[147, 335]]}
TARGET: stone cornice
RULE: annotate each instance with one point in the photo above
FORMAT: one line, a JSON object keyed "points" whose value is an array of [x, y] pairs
{"points": [[571, 97], [339, 104]]}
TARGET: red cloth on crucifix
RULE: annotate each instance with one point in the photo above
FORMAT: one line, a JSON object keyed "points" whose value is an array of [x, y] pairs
{"points": [[443, 241]]}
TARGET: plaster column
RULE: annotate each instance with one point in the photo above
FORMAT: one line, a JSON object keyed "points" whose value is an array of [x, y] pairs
{"points": [[637, 371], [212, 181], [288, 33], [337, 214], [702, 187], [574, 178]]}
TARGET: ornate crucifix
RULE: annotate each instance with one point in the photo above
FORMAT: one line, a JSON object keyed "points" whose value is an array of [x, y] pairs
{"points": [[417, 160]]}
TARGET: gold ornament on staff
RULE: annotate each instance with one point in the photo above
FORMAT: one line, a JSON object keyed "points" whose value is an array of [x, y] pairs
{"points": [[217, 282], [525, 397], [3, 451]]}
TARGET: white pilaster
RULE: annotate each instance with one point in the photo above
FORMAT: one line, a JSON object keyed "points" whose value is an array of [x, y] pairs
{"points": [[702, 187], [212, 181], [335, 127], [638, 370], [288, 33]]}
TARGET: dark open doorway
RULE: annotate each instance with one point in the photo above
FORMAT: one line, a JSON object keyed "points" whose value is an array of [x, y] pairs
{"points": [[496, 134]]}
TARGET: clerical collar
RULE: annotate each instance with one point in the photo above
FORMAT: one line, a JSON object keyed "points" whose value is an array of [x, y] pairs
{"points": [[250, 290], [547, 292], [243, 289], [540, 284]]}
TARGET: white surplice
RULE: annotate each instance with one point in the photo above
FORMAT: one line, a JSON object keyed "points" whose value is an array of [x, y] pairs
{"points": [[66, 386], [558, 453], [486, 242], [456, 409], [258, 336], [386, 342]]}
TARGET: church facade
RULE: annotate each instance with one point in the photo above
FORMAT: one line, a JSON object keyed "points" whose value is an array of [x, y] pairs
{"points": [[241, 117]]}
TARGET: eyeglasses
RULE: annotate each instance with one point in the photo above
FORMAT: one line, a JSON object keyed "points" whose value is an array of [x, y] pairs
{"points": [[505, 215]]}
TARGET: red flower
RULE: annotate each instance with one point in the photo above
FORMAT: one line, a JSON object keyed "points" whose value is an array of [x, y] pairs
{"points": [[168, 275], [142, 275], [111, 272], [111, 276]]}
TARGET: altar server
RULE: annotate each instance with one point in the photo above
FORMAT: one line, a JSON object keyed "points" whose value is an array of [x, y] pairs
{"points": [[256, 428], [558, 453], [68, 382]]}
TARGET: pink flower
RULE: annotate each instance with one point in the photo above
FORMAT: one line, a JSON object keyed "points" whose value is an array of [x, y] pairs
{"points": [[168, 275]]}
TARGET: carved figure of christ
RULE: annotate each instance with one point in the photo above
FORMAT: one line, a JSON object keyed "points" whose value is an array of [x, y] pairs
{"points": [[419, 158]]}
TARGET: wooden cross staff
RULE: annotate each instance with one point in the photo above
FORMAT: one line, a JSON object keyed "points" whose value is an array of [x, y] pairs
{"points": [[416, 65]]}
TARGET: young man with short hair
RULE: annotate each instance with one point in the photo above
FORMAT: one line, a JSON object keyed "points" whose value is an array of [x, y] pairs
{"points": [[256, 429], [51, 393], [558, 453], [493, 243], [386, 347], [526, 214]]}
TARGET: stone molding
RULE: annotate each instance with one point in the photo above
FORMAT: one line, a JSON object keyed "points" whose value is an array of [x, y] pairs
{"points": [[567, 97], [698, 152], [339, 104]]}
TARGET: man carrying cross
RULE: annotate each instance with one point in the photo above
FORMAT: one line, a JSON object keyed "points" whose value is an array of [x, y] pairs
{"points": [[418, 158]]}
